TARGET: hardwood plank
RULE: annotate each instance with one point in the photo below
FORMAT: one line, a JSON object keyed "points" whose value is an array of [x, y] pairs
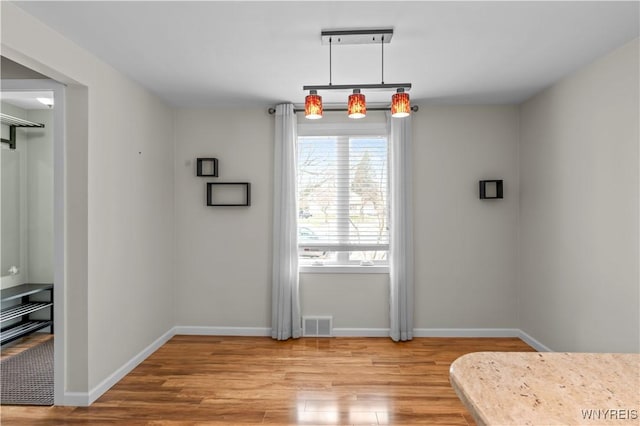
{"points": [[20, 345], [217, 380]]}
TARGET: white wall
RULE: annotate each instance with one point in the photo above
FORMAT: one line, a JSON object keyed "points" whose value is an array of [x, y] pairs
{"points": [[40, 197], [13, 208], [579, 283], [358, 303], [223, 254], [465, 248], [34, 218], [120, 287]]}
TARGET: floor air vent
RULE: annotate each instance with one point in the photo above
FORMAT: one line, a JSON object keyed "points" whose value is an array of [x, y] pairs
{"points": [[317, 326]]}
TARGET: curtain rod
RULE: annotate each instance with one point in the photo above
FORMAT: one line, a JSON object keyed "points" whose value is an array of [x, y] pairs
{"points": [[414, 108]]}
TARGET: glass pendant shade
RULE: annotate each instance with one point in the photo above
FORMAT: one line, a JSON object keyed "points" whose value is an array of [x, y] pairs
{"points": [[313, 106], [357, 107], [400, 106]]}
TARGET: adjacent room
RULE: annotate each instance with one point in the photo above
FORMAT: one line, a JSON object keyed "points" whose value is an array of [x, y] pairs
{"points": [[320, 213]]}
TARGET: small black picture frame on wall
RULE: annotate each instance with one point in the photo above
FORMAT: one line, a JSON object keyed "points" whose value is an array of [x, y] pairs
{"points": [[207, 167], [228, 194], [491, 189]]}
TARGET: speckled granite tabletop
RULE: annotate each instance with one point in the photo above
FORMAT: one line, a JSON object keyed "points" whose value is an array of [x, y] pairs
{"points": [[531, 388]]}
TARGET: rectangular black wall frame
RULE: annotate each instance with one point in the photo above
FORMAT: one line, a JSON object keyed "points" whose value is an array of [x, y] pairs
{"points": [[206, 164], [240, 197], [491, 189]]}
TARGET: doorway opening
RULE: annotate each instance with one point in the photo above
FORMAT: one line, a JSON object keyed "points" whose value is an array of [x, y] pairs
{"points": [[32, 243]]}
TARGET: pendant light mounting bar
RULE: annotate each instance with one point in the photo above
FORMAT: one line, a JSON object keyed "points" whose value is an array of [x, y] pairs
{"points": [[272, 110], [350, 87], [362, 36]]}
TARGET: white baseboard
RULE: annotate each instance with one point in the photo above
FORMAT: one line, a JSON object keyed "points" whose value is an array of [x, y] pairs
{"points": [[222, 331], [81, 399], [466, 332], [360, 332], [533, 342], [75, 399]]}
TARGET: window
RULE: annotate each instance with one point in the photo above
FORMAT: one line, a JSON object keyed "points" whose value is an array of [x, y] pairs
{"points": [[343, 200]]}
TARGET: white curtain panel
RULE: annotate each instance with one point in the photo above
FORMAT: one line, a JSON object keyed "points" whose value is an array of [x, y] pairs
{"points": [[401, 224], [285, 318]]}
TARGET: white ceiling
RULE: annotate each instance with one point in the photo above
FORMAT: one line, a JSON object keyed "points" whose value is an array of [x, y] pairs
{"points": [[238, 54], [26, 100]]}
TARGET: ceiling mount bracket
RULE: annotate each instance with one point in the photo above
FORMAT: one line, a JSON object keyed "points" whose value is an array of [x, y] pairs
{"points": [[362, 36]]}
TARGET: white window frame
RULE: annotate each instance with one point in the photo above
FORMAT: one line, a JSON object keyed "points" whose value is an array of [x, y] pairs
{"points": [[343, 131]]}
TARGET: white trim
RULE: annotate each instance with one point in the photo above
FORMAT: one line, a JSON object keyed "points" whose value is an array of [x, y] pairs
{"points": [[222, 331], [344, 129], [75, 399], [343, 269], [360, 332], [533, 342], [446, 332], [466, 332], [119, 374], [59, 238], [342, 246]]}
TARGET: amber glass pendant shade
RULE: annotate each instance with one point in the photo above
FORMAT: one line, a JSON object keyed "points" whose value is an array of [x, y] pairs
{"points": [[400, 106], [313, 106], [357, 107]]}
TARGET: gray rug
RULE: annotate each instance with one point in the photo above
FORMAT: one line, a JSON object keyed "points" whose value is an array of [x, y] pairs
{"points": [[27, 378]]}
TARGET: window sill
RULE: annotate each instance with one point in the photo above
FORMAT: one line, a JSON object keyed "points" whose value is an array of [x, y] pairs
{"points": [[343, 269]]}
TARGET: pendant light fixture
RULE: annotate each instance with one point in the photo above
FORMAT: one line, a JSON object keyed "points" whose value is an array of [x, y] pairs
{"points": [[313, 105], [400, 106], [357, 107]]}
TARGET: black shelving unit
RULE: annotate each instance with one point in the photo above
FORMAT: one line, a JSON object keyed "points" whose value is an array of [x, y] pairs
{"points": [[242, 198], [207, 167], [14, 123], [491, 189], [18, 316]]}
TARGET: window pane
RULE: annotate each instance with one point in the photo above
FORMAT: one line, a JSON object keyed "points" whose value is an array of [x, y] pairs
{"points": [[368, 191], [317, 183], [342, 198]]}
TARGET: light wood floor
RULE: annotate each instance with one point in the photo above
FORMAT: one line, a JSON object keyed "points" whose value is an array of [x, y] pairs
{"points": [[252, 380], [18, 346]]}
